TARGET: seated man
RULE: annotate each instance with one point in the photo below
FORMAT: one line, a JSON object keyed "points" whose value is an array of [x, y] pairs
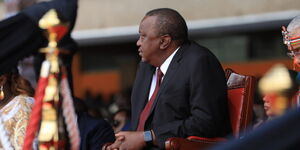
{"points": [[180, 88]]}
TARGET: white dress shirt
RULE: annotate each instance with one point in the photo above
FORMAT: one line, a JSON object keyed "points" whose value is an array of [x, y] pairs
{"points": [[164, 67]]}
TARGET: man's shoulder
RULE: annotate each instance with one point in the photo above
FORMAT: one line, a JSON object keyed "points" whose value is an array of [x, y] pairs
{"points": [[195, 46], [193, 49]]}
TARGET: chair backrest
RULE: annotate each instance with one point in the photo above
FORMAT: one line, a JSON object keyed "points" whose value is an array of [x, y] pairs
{"points": [[240, 100]]}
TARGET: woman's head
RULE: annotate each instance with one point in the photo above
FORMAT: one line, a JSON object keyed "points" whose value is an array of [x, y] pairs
{"points": [[13, 84]]}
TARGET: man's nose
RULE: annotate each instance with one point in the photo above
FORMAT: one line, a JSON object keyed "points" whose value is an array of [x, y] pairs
{"points": [[138, 42]]}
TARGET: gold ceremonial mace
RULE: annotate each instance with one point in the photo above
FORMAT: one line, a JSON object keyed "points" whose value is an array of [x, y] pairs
{"points": [[49, 135]]}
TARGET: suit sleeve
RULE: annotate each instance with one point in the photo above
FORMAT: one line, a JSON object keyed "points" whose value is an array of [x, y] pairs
{"points": [[206, 94]]}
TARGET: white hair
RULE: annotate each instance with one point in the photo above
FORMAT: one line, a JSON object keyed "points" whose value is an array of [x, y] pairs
{"points": [[294, 24]]}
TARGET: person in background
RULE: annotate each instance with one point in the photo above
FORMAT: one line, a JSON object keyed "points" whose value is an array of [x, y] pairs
{"points": [[259, 114], [180, 87], [16, 101], [94, 132], [278, 96], [291, 37], [121, 120]]}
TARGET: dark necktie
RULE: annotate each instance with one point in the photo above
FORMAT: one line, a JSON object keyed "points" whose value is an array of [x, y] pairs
{"points": [[145, 113]]}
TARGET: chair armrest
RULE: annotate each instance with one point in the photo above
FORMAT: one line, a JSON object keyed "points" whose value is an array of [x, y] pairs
{"points": [[191, 143], [206, 140], [106, 145]]}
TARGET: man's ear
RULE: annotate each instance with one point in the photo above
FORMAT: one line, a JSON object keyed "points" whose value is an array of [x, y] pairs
{"points": [[165, 41]]}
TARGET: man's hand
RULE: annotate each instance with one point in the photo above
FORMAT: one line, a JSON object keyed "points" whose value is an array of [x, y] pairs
{"points": [[131, 140], [116, 144]]}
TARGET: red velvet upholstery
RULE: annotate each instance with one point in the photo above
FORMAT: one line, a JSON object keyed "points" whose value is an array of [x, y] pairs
{"points": [[240, 103]]}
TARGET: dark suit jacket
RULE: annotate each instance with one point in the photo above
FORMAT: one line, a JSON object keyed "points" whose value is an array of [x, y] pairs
{"points": [[192, 99]]}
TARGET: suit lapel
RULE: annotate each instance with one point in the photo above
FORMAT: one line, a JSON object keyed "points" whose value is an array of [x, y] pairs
{"points": [[172, 69]]}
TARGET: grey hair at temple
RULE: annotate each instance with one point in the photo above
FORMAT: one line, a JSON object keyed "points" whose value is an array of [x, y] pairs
{"points": [[294, 24]]}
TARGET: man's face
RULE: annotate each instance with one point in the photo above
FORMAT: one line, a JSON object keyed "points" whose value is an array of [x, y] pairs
{"points": [[119, 121], [268, 98], [149, 40]]}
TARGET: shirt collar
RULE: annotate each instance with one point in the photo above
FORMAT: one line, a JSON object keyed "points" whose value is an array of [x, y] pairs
{"points": [[164, 67]]}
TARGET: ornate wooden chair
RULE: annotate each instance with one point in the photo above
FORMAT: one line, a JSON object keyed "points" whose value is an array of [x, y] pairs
{"points": [[240, 103]]}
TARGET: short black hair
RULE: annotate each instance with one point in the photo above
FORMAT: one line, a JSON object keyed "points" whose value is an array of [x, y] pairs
{"points": [[170, 22]]}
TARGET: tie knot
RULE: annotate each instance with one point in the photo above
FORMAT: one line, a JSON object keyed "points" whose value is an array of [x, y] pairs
{"points": [[159, 73]]}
